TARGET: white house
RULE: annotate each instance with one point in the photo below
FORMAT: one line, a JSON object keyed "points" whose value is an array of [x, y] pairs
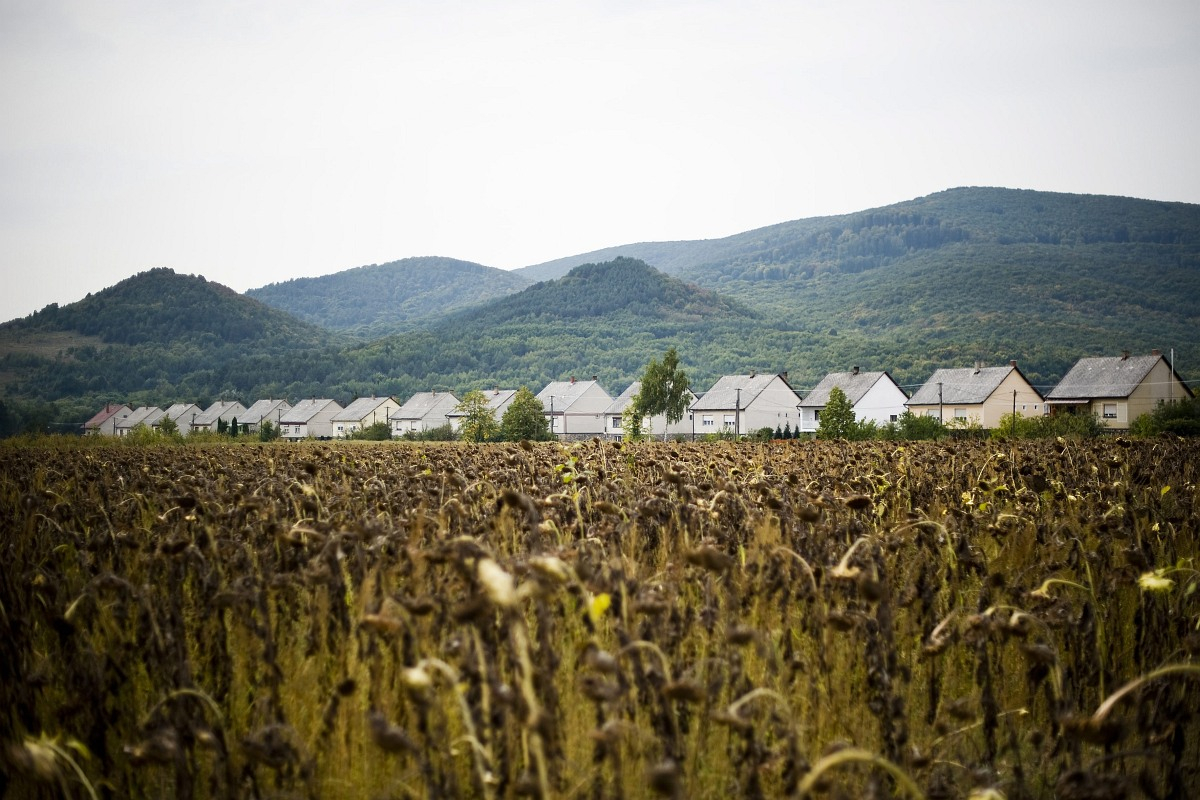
{"points": [[222, 410], [498, 401], [874, 396], [1117, 389], [423, 411], [363, 413], [270, 410], [309, 418], [575, 408], [182, 415], [977, 395], [142, 415], [742, 404], [104, 422], [651, 426]]}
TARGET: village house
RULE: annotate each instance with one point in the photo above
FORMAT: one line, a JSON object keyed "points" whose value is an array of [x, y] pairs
{"points": [[575, 408], [874, 396], [221, 411], [311, 418], [269, 410], [363, 413], [1117, 389], [424, 411], [655, 426], [182, 415], [977, 396], [743, 404], [498, 401], [147, 416], [104, 422]]}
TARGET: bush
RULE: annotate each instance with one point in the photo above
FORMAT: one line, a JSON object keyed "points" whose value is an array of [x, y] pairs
{"points": [[1075, 426], [1181, 418], [377, 432], [442, 433]]}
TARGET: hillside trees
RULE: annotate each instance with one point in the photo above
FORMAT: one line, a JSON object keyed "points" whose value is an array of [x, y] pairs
{"points": [[478, 421], [664, 389], [525, 418]]}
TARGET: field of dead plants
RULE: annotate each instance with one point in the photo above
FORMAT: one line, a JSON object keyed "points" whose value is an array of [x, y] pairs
{"points": [[939, 620]]}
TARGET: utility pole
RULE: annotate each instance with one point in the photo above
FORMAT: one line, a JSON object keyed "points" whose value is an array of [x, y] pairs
{"points": [[941, 412], [737, 415], [1014, 422]]}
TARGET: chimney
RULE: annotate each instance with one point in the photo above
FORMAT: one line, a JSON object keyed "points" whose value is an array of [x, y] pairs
{"points": [[752, 372], [1013, 363], [783, 375], [1156, 352], [572, 380], [595, 378], [854, 370], [1124, 355]]}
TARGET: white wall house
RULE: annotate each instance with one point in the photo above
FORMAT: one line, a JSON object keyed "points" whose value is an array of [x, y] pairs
{"points": [[655, 426], [977, 396], [575, 408], [498, 401], [423, 411], [270, 410], [363, 413], [1117, 389], [874, 396], [222, 410], [742, 404], [104, 422], [142, 415], [182, 415], [309, 418]]}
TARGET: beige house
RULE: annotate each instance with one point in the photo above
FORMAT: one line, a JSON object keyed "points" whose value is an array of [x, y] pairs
{"points": [[105, 421], [977, 396], [363, 413], [574, 408], [742, 404], [654, 427], [1117, 389], [424, 411]]}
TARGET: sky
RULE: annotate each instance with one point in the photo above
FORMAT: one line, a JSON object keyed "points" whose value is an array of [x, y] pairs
{"points": [[255, 142]]}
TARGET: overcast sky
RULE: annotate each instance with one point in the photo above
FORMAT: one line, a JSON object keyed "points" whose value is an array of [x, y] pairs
{"points": [[254, 142]]}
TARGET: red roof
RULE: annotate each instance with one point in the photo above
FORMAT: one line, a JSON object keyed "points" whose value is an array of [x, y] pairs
{"points": [[104, 415]]}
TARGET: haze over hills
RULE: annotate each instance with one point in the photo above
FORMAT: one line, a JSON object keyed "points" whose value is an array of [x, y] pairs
{"points": [[957, 277], [380, 299]]}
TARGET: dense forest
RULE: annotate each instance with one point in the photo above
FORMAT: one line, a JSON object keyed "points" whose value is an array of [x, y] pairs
{"points": [[957, 277], [381, 299]]}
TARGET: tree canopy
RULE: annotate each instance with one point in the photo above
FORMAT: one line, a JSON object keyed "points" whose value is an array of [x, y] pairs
{"points": [[664, 389], [478, 421], [525, 418]]}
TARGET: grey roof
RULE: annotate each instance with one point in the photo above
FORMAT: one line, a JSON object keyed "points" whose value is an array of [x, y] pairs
{"points": [[1113, 376], [218, 410], [622, 402], [262, 408], [421, 404], [142, 415], [305, 410], [964, 386], [854, 384], [496, 398], [361, 408], [565, 393], [724, 393], [180, 409]]}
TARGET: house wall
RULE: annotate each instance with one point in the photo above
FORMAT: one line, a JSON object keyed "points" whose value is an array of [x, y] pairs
{"points": [[655, 426], [435, 417], [1158, 387], [882, 403], [988, 413], [321, 423], [344, 427], [585, 415], [775, 406]]}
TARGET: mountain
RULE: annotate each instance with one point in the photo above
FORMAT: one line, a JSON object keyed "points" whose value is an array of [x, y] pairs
{"points": [[156, 338], [381, 299], [603, 319]]}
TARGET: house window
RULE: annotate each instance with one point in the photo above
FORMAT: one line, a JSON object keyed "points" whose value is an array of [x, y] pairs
{"points": [[892, 418], [931, 413], [616, 422], [706, 421], [817, 414], [960, 413], [1110, 410], [729, 420], [1035, 405]]}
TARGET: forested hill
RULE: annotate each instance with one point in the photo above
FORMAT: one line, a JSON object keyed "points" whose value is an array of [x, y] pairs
{"points": [[382, 299], [156, 338], [160, 307], [600, 319], [975, 217]]}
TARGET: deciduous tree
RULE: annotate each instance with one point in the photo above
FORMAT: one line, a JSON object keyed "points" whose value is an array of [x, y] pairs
{"points": [[478, 420], [525, 418]]}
